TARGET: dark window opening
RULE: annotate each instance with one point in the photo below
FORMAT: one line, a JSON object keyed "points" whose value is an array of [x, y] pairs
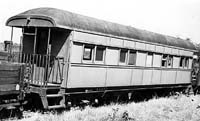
{"points": [[186, 62], [164, 61], [170, 61], [29, 30], [132, 58], [99, 53], [181, 64], [123, 56]]}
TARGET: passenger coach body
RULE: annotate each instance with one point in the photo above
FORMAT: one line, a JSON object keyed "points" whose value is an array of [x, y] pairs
{"points": [[82, 55], [104, 61]]}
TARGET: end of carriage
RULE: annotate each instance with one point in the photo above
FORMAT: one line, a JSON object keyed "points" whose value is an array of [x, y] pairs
{"points": [[44, 74]]}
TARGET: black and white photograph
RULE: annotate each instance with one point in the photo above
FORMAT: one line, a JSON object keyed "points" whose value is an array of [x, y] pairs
{"points": [[99, 60]]}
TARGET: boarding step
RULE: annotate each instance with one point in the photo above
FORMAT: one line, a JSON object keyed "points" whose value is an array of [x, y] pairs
{"points": [[55, 98], [56, 106], [54, 95]]}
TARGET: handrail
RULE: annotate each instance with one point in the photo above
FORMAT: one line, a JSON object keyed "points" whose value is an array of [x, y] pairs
{"points": [[44, 69]]}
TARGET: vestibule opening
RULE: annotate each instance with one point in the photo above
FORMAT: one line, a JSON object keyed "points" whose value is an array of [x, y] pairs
{"points": [[44, 49], [44, 40]]}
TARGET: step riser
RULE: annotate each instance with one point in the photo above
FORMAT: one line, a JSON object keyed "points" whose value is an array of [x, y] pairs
{"points": [[56, 106]]}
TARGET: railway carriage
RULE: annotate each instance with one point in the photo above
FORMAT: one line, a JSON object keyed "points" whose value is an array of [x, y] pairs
{"points": [[71, 57]]}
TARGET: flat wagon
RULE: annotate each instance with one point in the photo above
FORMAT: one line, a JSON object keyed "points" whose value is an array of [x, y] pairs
{"points": [[71, 57]]}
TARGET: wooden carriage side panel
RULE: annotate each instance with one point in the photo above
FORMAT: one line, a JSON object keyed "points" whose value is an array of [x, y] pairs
{"points": [[10, 76], [159, 49], [175, 51], [139, 46], [172, 75], [147, 76], [156, 77], [176, 61], [129, 44], [157, 60], [141, 59], [112, 56], [150, 47], [118, 77], [76, 53], [91, 38], [183, 77], [116, 42], [186, 53], [168, 77], [167, 50], [83, 76], [137, 75], [189, 53], [181, 52]]}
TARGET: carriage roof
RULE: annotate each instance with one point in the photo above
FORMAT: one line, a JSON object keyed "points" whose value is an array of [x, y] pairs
{"points": [[51, 17]]}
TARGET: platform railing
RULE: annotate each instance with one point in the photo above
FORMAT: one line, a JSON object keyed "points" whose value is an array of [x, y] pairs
{"points": [[42, 70]]}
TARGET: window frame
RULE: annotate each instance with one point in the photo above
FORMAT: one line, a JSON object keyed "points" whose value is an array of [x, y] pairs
{"points": [[103, 56], [125, 59], [92, 48], [135, 59], [186, 63], [165, 60], [182, 62], [152, 55], [171, 57]]}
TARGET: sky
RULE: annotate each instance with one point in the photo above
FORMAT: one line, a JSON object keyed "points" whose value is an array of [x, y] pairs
{"points": [[178, 18]]}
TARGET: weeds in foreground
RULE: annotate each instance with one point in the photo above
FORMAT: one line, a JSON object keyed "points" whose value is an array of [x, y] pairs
{"points": [[113, 116], [174, 108]]}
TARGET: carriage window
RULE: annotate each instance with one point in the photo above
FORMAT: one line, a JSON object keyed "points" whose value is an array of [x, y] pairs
{"points": [[149, 60], [186, 65], [132, 58], [182, 62], [123, 56], [170, 61], [87, 55], [100, 53], [164, 61]]}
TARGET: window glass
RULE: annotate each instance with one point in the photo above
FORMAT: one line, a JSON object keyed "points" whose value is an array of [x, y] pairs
{"points": [[87, 55], [132, 58], [149, 59], [99, 53], [164, 61], [123, 56]]}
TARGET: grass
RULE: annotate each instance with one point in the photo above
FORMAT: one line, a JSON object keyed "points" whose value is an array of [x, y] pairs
{"points": [[174, 108]]}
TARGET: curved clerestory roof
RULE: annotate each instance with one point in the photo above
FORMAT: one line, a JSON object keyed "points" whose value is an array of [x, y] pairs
{"points": [[52, 17]]}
